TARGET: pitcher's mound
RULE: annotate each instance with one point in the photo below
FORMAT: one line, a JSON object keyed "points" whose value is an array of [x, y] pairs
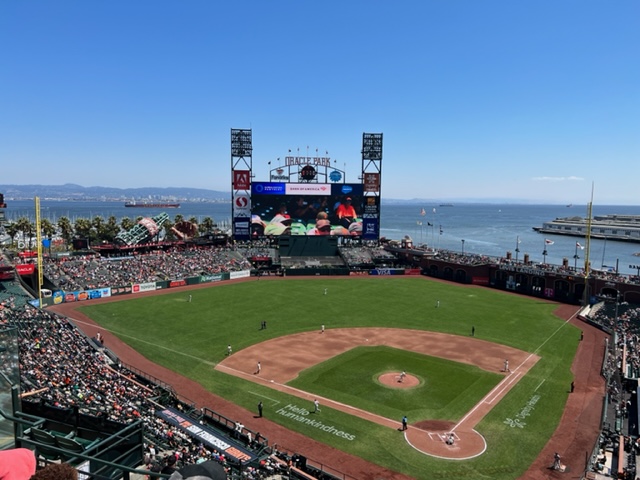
{"points": [[393, 380]]}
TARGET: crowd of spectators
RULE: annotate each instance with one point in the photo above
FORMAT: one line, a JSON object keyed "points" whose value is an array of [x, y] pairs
{"points": [[88, 272], [62, 368]]}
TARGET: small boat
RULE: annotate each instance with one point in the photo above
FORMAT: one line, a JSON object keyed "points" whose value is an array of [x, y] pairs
{"points": [[151, 205]]}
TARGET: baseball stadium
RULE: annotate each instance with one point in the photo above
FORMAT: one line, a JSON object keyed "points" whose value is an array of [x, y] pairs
{"points": [[302, 345]]}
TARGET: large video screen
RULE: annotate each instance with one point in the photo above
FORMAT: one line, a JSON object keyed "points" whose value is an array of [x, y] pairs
{"points": [[306, 209]]}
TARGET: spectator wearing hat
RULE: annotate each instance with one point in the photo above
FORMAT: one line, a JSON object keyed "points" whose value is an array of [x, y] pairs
{"points": [[323, 227], [279, 225]]}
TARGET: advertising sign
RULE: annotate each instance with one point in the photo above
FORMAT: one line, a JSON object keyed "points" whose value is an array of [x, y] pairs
{"points": [[241, 179], [241, 205], [241, 228], [241, 274], [25, 268], [143, 287], [371, 182], [206, 435], [370, 228]]}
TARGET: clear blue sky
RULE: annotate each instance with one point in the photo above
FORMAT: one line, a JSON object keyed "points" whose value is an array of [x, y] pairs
{"points": [[522, 100]]}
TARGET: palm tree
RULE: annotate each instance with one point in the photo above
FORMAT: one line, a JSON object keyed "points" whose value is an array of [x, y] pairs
{"points": [[169, 235], [25, 226], [12, 230], [206, 225], [126, 224], [82, 228], [66, 230], [111, 229], [99, 227]]}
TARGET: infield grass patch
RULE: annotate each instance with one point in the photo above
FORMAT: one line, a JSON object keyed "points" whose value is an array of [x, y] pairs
{"points": [[447, 389]]}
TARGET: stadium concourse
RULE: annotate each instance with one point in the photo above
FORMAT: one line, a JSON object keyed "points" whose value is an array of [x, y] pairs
{"points": [[50, 362]]}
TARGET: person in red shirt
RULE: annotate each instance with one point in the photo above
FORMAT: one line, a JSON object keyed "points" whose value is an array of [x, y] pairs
{"points": [[17, 464], [346, 213]]}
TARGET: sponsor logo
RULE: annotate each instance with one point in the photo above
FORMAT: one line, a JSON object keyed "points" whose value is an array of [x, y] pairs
{"points": [[308, 189], [177, 283], [241, 180], [279, 178], [144, 287], [210, 278], [242, 206], [346, 189], [371, 182], [25, 268], [269, 188]]}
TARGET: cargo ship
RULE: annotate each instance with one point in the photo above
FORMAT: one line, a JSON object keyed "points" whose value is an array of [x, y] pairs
{"points": [[624, 228], [152, 205]]}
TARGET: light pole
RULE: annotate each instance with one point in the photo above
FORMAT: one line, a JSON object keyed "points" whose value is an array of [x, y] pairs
{"points": [[636, 267], [517, 248], [575, 258], [462, 246]]}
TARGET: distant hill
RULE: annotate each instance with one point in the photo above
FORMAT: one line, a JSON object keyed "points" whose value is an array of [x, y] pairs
{"points": [[71, 191]]}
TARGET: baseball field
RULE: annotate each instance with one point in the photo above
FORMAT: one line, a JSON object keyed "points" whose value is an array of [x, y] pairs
{"points": [[452, 341]]}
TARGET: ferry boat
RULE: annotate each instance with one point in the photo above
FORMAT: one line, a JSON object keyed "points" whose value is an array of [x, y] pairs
{"points": [[135, 204], [624, 228]]}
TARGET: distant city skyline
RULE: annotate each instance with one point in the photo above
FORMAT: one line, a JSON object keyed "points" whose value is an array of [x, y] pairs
{"points": [[477, 101]]}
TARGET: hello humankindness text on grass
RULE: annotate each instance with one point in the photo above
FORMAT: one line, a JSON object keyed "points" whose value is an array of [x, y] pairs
{"points": [[301, 415]]}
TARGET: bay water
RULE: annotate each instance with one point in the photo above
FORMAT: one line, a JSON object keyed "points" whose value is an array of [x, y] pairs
{"points": [[486, 229]]}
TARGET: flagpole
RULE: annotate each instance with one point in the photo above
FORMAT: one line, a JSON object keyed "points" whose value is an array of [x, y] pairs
{"points": [[517, 247], [575, 258], [544, 252]]}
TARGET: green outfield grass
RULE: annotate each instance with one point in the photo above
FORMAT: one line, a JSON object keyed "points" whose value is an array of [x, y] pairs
{"points": [[190, 338]]}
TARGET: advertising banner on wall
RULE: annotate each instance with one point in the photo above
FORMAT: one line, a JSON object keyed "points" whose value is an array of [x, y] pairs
{"points": [[143, 287], [121, 290], [218, 277], [99, 293], [241, 274]]}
